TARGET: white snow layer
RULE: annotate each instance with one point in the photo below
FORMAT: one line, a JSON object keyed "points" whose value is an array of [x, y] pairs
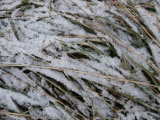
{"points": [[43, 45]]}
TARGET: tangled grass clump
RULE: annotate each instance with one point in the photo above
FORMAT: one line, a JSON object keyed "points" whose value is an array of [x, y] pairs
{"points": [[76, 59]]}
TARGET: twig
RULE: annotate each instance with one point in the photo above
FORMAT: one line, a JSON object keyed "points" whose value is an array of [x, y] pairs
{"points": [[77, 71], [18, 114]]}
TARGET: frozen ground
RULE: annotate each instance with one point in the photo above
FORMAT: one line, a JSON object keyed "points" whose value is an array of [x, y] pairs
{"points": [[79, 59]]}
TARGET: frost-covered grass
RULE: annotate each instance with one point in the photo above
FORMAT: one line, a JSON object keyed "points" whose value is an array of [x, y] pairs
{"points": [[79, 59]]}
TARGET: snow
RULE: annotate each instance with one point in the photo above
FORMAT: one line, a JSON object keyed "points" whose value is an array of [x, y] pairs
{"points": [[32, 39], [156, 53], [150, 21]]}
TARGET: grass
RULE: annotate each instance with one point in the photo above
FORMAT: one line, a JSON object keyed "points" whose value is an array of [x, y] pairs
{"points": [[74, 93]]}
